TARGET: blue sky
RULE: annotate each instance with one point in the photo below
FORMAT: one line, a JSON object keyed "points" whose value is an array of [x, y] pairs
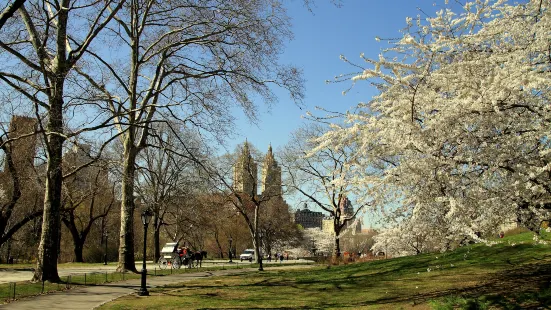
{"points": [[320, 37]]}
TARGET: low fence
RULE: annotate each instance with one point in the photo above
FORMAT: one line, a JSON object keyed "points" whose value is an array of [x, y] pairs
{"points": [[16, 290]]}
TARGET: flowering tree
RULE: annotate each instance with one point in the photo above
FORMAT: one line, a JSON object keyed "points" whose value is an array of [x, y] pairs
{"points": [[459, 130], [320, 177], [321, 241]]}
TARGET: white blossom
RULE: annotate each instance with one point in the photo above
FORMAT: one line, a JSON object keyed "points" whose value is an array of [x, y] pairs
{"points": [[456, 142]]}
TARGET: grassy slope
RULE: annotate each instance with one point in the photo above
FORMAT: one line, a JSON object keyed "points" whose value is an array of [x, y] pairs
{"points": [[514, 274]]}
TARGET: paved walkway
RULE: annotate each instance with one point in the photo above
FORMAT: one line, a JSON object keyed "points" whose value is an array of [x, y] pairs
{"points": [[91, 297]]}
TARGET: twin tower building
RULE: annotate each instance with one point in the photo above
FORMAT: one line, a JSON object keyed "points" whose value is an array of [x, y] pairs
{"points": [[245, 174]]}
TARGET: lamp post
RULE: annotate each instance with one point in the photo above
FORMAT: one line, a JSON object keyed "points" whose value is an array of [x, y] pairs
{"points": [[105, 249], [260, 252], [313, 248], [146, 217], [230, 239]]}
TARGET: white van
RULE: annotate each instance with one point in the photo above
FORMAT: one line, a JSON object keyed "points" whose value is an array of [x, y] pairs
{"points": [[248, 254]]}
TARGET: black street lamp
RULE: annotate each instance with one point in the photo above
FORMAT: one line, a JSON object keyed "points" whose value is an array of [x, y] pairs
{"points": [[230, 239], [105, 249], [260, 252], [146, 217]]}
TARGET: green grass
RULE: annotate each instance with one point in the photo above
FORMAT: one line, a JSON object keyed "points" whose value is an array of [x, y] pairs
{"points": [[17, 266], [513, 274]]}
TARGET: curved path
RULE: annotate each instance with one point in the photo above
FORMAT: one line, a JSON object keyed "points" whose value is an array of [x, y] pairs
{"points": [[91, 297], [26, 274]]}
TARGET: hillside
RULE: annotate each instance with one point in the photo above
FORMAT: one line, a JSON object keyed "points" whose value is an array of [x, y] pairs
{"points": [[513, 273]]}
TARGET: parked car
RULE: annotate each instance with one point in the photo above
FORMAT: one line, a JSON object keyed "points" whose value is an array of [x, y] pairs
{"points": [[248, 254]]}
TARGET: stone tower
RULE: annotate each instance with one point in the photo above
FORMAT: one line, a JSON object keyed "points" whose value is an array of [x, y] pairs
{"points": [[271, 176], [245, 172], [23, 149]]}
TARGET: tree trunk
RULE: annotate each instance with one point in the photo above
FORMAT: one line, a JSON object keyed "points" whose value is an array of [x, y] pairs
{"points": [[337, 248], [126, 246], [257, 240], [79, 246], [337, 228], [46, 267], [157, 241], [8, 251], [220, 250]]}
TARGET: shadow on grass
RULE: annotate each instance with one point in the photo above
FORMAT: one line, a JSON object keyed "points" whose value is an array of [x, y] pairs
{"points": [[526, 287]]}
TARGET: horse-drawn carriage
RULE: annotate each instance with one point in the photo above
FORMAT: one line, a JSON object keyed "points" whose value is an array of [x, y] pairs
{"points": [[172, 255]]}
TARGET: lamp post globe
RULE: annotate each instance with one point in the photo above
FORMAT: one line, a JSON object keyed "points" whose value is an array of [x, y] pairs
{"points": [[146, 217]]}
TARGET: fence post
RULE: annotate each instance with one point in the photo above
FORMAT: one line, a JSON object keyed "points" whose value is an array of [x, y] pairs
{"points": [[14, 283], [155, 271], [42, 287]]}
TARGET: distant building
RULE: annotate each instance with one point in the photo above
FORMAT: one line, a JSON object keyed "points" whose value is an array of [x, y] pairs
{"points": [[23, 149], [347, 212], [245, 171], [327, 225], [271, 176], [368, 231], [308, 219], [245, 175]]}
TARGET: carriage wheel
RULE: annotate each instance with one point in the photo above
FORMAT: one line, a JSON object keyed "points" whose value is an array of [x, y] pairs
{"points": [[163, 263], [176, 261]]}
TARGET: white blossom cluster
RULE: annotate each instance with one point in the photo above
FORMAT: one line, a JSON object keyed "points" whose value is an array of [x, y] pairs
{"points": [[458, 137], [321, 240]]}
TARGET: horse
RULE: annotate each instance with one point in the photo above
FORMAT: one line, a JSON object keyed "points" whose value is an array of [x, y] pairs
{"points": [[197, 257]]}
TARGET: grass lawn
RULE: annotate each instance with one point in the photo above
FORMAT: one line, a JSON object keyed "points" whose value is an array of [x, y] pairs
{"points": [[513, 274]]}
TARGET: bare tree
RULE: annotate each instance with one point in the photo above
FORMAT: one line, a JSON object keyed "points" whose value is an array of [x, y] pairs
{"points": [[241, 194], [9, 10], [165, 179], [312, 174], [17, 144], [188, 62], [278, 230], [88, 197], [41, 49]]}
